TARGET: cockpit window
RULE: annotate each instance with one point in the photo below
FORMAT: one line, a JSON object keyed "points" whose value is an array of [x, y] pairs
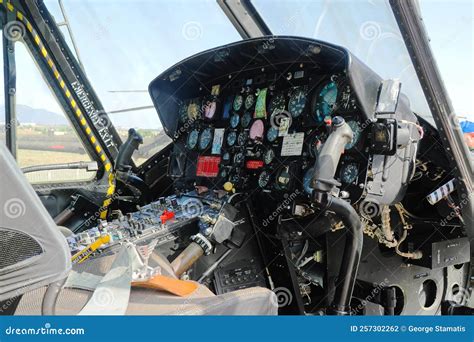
{"points": [[123, 45], [366, 27]]}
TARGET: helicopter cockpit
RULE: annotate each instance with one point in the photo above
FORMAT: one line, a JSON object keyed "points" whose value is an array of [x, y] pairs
{"points": [[296, 181]]}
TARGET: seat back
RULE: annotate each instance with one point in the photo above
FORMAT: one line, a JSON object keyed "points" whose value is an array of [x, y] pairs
{"points": [[33, 252]]}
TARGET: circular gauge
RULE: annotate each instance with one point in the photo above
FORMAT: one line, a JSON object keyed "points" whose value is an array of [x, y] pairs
{"points": [[226, 156], [277, 104], [349, 173], [283, 178], [239, 158], [234, 120], [193, 111], [183, 112], [326, 101], [249, 101], [263, 179], [356, 130], [242, 138], [235, 179], [268, 157], [246, 120], [210, 109], [193, 139], [308, 177], [231, 138], [315, 144], [297, 102], [238, 101], [256, 130], [272, 134], [205, 138]]}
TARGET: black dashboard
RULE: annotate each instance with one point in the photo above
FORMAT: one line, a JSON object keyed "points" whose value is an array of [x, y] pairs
{"points": [[263, 132], [252, 115]]}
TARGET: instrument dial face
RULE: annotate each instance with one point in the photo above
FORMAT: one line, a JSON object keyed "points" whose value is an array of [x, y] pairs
{"points": [[277, 104], [249, 101], [238, 101], [356, 130], [242, 138], [308, 176], [205, 138], [272, 134], [349, 173], [326, 102], [246, 118], [257, 130], [315, 144], [263, 179], [231, 138], [183, 112], [268, 157], [234, 120], [297, 102], [239, 158], [210, 109], [235, 179], [193, 139], [283, 178], [193, 111]]}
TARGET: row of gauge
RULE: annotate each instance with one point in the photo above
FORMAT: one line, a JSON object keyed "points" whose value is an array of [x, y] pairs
{"points": [[283, 176], [253, 104], [201, 139]]}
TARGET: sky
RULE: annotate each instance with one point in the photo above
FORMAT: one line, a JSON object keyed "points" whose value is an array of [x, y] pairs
{"points": [[125, 44]]}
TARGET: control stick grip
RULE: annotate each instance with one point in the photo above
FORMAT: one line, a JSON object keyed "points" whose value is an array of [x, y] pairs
{"points": [[330, 154], [124, 156]]}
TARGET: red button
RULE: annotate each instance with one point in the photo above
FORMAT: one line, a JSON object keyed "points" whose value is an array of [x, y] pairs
{"points": [[166, 216]]}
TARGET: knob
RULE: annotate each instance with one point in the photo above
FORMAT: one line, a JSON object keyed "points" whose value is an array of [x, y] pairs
{"points": [[228, 186]]}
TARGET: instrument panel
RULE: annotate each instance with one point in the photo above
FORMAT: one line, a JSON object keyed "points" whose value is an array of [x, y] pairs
{"points": [[263, 133]]}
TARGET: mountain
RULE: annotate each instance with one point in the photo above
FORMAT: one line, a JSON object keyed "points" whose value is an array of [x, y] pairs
{"points": [[26, 114]]}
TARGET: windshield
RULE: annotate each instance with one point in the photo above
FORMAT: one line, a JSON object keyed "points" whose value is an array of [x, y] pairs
{"points": [[123, 45], [368, 29]]}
